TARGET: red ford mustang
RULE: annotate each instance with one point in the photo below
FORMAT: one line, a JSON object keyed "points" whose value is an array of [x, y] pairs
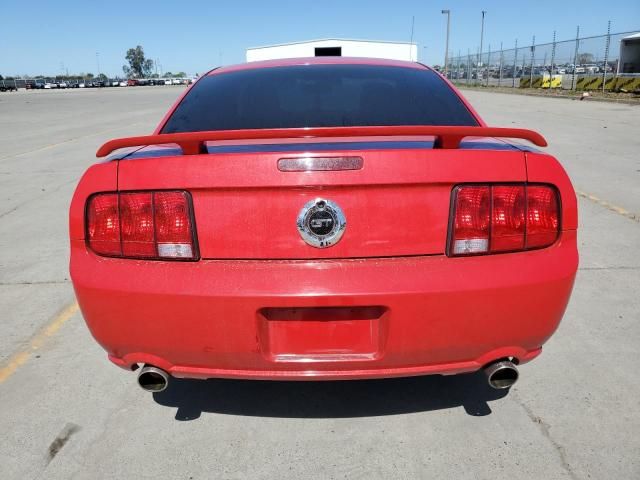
{"points": [[326, 218]]}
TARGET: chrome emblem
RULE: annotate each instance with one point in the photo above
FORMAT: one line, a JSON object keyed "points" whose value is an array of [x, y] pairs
{"points": [[321, 223]]}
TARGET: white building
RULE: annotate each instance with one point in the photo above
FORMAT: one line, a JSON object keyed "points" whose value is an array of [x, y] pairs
{"points": [[336, 47], [629, 54]]}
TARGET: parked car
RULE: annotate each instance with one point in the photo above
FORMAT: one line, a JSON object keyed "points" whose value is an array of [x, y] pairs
{"points": [[167, 81], [124, 83], [324, 218], [8, 86]]}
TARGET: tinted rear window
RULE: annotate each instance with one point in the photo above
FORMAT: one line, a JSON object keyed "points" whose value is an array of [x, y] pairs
{"points": [[318, 96]]}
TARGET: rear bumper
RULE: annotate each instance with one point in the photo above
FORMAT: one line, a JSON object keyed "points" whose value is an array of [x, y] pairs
{"points": [[325, 319]]}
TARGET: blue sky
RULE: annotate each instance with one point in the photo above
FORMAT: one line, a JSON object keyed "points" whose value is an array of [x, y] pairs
{"points": [[52, 36]]}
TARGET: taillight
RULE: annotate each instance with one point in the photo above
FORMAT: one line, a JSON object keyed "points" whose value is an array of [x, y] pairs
{"points": [[542, 216], [152, 225], [503, 218], [103, 224], [471, 221]]}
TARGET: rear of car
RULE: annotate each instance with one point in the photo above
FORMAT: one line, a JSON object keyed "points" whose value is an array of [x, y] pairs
{"points": [[323, 219]]}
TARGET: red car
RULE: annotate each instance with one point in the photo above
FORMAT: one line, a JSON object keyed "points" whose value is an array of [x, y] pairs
{"points": [[324, 218]]}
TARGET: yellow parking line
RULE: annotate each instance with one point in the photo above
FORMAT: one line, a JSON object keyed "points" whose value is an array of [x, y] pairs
{"points": [[9, 367], [609, 206]]}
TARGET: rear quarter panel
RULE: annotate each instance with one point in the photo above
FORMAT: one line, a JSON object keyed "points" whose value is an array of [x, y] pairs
{"points": [[544, 168]]}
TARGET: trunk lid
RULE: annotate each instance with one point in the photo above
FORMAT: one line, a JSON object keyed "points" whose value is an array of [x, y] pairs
{"points": [[396, 204]]}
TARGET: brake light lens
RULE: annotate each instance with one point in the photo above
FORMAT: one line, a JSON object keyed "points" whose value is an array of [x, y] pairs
{"points": [[542, 216], [150, 225], [471, 221], [174, 234], [503, 218], [508, 218], [103, 224], [136, 225]]}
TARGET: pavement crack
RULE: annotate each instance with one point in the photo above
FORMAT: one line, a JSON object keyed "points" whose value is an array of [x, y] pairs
{"points": [[545, 429], [619, 267], [34, 198], [43, 282]]}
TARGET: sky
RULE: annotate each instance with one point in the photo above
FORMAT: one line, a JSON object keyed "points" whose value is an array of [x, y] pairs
{"points": [[53, 37]]}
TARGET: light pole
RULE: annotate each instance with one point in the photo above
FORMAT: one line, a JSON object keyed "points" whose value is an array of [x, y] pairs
{"points": [[98, 62], [481, 39], [446, 50]]}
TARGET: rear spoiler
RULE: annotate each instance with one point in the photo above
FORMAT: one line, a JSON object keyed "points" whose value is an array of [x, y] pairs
{"points": [[194, 143]]}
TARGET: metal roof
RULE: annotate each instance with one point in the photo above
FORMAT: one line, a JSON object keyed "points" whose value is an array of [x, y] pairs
{"points": [[330, 40]]}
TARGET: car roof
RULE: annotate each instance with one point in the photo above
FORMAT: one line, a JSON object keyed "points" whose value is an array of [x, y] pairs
{"points": [[286, 62]]}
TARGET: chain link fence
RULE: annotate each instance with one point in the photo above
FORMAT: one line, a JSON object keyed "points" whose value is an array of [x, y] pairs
{"points": [[582, 63]]}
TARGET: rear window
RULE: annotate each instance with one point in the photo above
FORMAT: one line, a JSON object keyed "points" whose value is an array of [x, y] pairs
{"points": [[318, 96]]}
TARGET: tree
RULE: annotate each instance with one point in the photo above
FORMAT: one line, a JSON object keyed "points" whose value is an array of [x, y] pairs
{"points": [[139, 66], [180, 74], [585, 58], [1, 77], [168, 75]]}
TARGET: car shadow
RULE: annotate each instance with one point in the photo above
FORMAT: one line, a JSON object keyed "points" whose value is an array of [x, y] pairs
{"points": [[330, 399]]}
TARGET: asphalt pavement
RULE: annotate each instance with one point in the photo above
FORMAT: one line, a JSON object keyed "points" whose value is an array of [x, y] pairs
{"points": [[66, 412]]}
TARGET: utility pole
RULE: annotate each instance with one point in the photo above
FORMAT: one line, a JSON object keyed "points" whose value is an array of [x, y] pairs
{"points": [[98, 62], [413, 21], [482, 34], [605, 65], [575, 58], [446, 50]]}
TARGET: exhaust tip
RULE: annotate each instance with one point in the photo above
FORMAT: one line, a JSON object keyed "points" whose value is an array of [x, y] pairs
{"points": [[501, 375], [153, 379]]}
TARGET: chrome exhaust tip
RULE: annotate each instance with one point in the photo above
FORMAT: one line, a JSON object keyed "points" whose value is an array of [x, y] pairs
{"points": [[501, 375], [153, 379]]}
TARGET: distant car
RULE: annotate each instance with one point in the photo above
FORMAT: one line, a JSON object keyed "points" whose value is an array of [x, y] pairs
{"points": [[323, 218], [62, 84], [115, 83], [167, 81], [176, 81], [51, 85], [132, 82], [8, 87], [124, 83], [82, 85]]}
